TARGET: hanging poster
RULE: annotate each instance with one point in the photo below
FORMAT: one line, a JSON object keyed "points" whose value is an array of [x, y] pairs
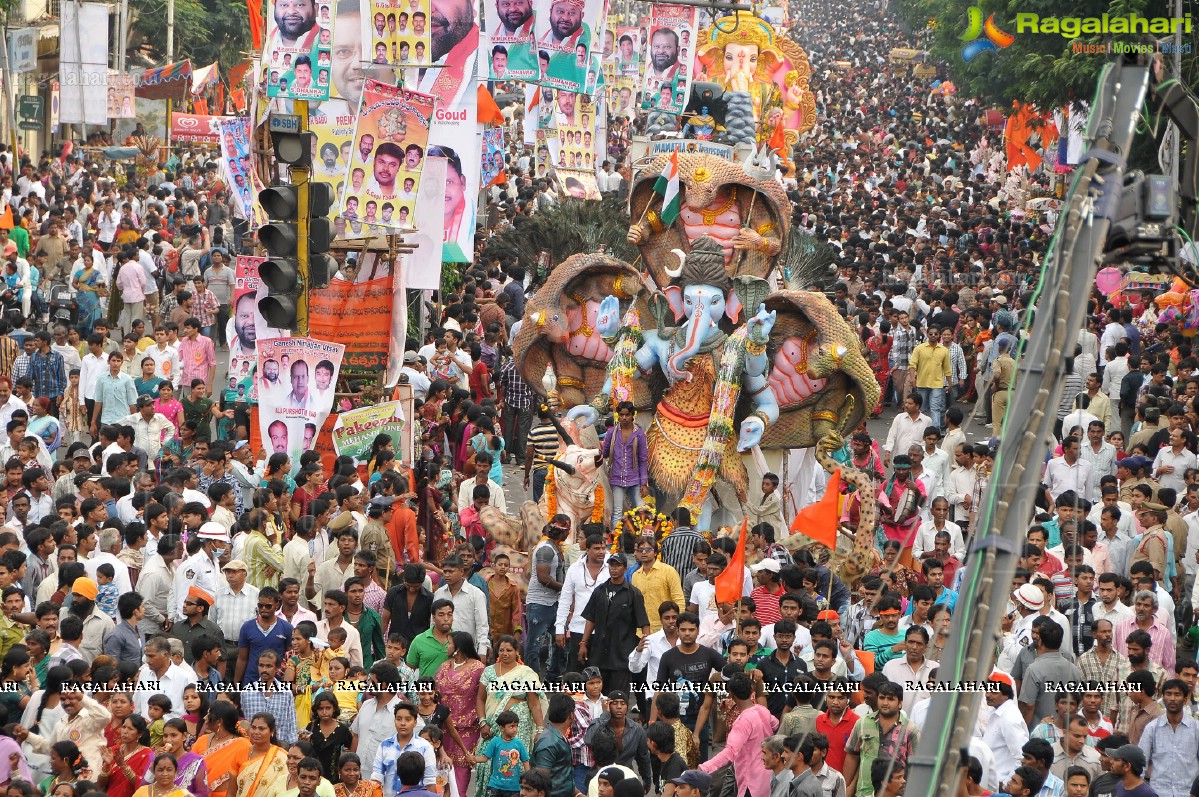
{"points": [[565, 36], [120, 95], [511, 50], [386, 156], [579, 184], [396, 32], [296, 381], [628, 51], [670, 53], [355, 310], [190, 128], [246, 325], [455, 130], [298, 52], [576, 147], [354, 431], [493, 154], [422, 266], [237, 158]]}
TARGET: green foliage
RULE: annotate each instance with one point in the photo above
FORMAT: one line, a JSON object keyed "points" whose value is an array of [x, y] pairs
{"points": [[205, 31], [1036, 68], [573, 226]]}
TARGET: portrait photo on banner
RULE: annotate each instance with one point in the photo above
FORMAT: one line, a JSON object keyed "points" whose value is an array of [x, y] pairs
{"points": [[386, 156], [296, 382], [246, 325], [237, 159], [297, 58], [511, 48], [397, 32], [565, 37], [670, 52]]}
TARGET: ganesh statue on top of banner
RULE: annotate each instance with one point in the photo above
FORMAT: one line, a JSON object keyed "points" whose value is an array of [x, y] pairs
{"points": [[723, 335]]}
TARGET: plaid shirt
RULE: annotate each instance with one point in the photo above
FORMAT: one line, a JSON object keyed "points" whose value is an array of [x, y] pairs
{"points": [[1115, 671], [206, 307], [903, 343], [517, 393], [578, 729], [49, 374], [20, 366], [957, 363], [274, 699], [168, 304]]}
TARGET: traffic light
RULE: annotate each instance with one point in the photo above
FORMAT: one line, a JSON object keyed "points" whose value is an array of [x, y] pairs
{"points": [[321, 265], [281, 271]]}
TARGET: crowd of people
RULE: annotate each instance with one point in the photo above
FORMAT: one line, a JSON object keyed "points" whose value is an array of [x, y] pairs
{"points": [[185, 617]]}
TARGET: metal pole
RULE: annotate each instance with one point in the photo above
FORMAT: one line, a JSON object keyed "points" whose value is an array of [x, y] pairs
{"points": [[170, 31], [299, 178], [10, 106], [1177, 154], [1061, 299]]}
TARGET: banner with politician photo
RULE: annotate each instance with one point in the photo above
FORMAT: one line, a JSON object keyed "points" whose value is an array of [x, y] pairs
{"points": [[297, 58], [493, 155], [510, 46], [246, 325], [296, 382], [386, 156], [565, 37], [237, 158], [120, 95], [576, 145], [396, 32], [670, 54], [578, 183]]}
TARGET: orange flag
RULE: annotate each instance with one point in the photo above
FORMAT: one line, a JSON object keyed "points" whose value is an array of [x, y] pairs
{"points": [[778, 141], [819, 520], [6, 219], [488, 112], [731, 582], [257, 23]]}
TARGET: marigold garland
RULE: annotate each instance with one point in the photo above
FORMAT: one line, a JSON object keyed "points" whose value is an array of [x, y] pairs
{"points": [[551, 499], [623, 365]]}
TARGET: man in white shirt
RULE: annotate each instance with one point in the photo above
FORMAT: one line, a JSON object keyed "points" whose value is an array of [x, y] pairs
{"points": [[1006, 732], [467, 488], [1071, 472], [414, 366], [108, 546], [1172, 462], [470, 604], [907, 429], [1116, 370], [1098, 452], [166, 359], [580, 581]]}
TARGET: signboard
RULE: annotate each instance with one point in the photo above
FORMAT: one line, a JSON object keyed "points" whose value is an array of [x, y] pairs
{"points": [[30, 106], [190, 128], [688, 145], [27, 124], [22, 50], [354, 431], [284, 123], [83, 62]]}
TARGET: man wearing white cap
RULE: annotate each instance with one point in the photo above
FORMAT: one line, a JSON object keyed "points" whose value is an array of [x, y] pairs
{"points": [[1028, 600], [201, 567]]}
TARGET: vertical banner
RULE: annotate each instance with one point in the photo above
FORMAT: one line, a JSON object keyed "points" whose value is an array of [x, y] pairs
{"points": [[671, 53], [83, 63], [22, 50], [246, 325], [511, 50], [120, 95], [493, 155], [565, 36], [293, 406], [628, 51], [576, 144], [422, 266], [386, 156], [354, 431], [396, 32], [455, 130], [298, 52], [356, 313], [237, 158]]}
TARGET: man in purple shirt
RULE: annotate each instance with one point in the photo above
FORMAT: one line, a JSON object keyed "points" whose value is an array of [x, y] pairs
{"points": [[627, 452]]}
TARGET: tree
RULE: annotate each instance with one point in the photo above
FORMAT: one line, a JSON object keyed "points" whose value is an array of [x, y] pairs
{"points": [[205, 31]]}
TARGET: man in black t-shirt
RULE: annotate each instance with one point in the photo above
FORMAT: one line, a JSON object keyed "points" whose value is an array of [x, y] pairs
{"points": [[668, 763], [691, 662], [1104, 785]]}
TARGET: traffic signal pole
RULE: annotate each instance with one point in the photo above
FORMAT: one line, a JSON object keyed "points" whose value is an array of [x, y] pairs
{"points": [[300, 178]]}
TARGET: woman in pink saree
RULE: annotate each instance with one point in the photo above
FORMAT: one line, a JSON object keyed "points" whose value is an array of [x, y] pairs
{"points": [[458, 687]]}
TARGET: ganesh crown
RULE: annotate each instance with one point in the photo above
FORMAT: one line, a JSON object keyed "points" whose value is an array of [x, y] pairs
{"points": [[704, 265]]}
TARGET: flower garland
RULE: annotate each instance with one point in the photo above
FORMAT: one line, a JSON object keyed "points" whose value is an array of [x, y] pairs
{"points": [[720, 422], [657, 525], [551, 499], [623, 366]]}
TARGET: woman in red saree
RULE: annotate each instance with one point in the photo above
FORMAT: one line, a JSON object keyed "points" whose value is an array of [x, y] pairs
{"points": [[878, 352], [126, 764]]}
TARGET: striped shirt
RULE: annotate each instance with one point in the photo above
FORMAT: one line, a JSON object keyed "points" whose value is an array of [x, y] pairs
{"points": [[544, 439]]}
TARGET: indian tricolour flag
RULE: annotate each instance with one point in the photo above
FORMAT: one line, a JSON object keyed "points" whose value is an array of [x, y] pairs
{"points": [[668, 186]]}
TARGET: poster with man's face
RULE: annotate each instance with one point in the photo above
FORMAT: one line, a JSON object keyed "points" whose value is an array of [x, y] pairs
{"points": [[671, 53], [296, 385], [386, 156], [398, 33], [297, 58], [511, 49], [245, 326], [565, 38]]}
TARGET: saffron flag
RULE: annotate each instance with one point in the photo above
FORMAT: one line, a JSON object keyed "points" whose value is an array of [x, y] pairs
{"points": [[731, 582], [668, 186], [778, 142], [819, 520], [257, 24]]}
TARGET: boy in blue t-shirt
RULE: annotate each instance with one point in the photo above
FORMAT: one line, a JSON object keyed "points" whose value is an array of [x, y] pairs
{"points": [[507, 755]]}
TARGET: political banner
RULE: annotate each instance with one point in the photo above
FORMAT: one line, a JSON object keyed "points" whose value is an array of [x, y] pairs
{"points": [[565, 37], [511, 50], [579, 184], [354, 431], [386, 156], [191, 128], [456, 125], [120, 95], [493, 154], [627, 53], [422, 266], [670, 54], [576, 147], [355, 311], [237, 158], [296, 381], [396, 32], [245, 327], [298, 57]]}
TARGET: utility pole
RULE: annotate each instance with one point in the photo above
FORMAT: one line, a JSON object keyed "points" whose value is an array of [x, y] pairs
{"points": [[170, 31], [300, 178], [1068, 273]]}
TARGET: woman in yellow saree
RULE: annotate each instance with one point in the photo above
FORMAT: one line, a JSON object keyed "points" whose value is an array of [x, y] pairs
{"points": [[265, 773]]}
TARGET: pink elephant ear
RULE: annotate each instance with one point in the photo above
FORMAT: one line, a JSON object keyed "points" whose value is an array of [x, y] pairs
{"points": [[732, 306], [674, 295]]}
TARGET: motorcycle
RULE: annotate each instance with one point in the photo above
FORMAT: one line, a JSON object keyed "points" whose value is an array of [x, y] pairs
{"points": [[63, 307]]}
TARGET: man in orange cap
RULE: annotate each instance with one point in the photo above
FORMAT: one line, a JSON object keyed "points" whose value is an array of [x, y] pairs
{"points": [[1006, 730], [195, 621], [96, 624]]}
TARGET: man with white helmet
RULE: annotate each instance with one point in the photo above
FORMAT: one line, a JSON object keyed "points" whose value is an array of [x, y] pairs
{"points": [[200, 567]]}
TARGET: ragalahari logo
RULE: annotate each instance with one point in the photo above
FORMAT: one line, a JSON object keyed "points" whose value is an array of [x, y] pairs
{"points": [[995, 39]]}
